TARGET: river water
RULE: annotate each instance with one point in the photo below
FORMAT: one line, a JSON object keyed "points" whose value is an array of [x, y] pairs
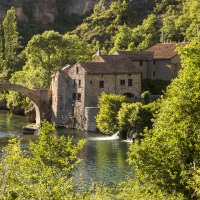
{"points": [[103, 157]]}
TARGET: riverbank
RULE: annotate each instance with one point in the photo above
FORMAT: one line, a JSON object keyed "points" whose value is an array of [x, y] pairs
{"points": [[103, 157]]}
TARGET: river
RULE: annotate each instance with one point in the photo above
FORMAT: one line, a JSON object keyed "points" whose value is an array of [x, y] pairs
{"points": [[103, 157]]}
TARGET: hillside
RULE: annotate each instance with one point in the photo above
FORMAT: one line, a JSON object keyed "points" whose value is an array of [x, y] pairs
{"points": [[63, 15]]}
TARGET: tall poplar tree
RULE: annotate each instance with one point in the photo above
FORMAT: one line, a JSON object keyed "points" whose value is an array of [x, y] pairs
{"points": [[1, 52], [11, 43]]}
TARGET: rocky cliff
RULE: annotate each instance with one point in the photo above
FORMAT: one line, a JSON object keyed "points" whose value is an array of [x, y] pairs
{"points": [[47, 11]]}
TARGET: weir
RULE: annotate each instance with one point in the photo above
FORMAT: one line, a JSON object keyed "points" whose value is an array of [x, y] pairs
{"points": [[41, 98]]}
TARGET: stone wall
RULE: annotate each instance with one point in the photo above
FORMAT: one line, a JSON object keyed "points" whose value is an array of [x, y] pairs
{"points": [[59, 92], [76, 86], [90, 121], [111, 85], [164, 69], [143, 66]]}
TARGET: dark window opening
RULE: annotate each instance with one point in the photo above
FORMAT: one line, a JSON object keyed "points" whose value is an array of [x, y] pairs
{"points": [[101, 84], [130, 82], [141, 62], [154, 73], [77, 70], [74, 82], [154, 62], [122, 82], [74, 96], [79, 96], [90, 82], [79, 83]]}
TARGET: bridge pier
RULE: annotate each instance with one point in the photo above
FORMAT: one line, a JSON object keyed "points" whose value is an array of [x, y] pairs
{"points": [[40, 98], [43, 108]]}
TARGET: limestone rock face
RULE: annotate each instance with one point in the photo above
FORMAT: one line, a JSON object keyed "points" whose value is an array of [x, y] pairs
{"points": [[46, 11]]}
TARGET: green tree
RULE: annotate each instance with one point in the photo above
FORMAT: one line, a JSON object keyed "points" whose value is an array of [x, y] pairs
{"points": [[43, 52], [11, 42], [167, 155], [135, 117], [123, 38], [146, 34], [146, 97], [109, 105], [77, 50], [50, 51], [3, 71], [45, 172]]}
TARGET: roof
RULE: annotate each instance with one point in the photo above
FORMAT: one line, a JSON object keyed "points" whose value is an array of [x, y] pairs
{"points": [[64, 70], [116, 60], [111, 66], [158, 51], [136, 55], [164, 50]]}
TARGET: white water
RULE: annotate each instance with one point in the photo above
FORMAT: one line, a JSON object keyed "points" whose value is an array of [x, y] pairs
{"points": [[112, 137], [128, 140]]}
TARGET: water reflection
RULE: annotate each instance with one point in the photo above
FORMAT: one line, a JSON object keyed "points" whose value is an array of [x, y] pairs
{"points": [[103, 157]]}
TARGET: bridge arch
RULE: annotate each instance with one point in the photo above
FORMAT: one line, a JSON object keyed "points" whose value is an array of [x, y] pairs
{"points": [[40, 98]]}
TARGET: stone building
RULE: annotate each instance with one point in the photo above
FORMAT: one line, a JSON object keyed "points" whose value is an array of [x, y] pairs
{"points": [[76, 88], [158, 62]]}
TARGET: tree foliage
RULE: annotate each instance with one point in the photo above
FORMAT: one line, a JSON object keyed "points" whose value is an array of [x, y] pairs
{"points": [[9, 47], [135, 117], [44, 172], [109, 105], [168, 156]]}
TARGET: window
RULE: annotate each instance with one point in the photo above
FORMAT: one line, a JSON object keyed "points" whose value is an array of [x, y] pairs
{"points": [[90, 82], [141, 62], [101, 84], [79, 96], [79, 83], [77, 70], [154, 62], [74, 82], [122, 82], [130, 82], [74, 96], [154, 73]]}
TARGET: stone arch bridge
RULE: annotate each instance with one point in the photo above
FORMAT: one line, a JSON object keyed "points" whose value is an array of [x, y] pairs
{"points": [[41, 98]]}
